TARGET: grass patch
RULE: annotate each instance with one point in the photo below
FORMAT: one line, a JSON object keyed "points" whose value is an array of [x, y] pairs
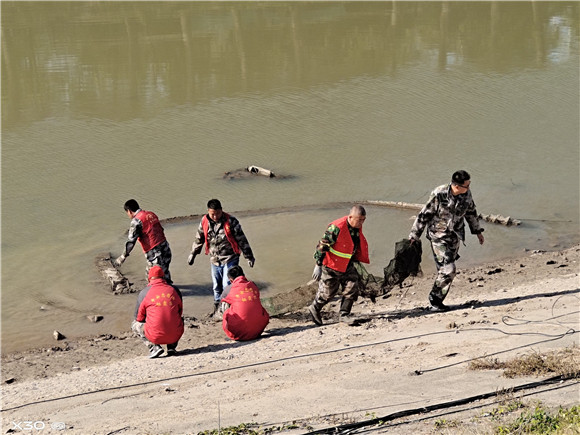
{"points": [[241, 429], [540, 421], [564, 362], [505, 407], [446, 424], [253, 429]]}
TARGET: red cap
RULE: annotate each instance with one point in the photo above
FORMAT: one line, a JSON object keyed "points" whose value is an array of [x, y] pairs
{"points": [[156, 272]]}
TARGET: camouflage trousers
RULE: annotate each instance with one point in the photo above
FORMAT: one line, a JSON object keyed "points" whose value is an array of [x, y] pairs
{"points": [[331, 281], [160, 256], [445, 254]]}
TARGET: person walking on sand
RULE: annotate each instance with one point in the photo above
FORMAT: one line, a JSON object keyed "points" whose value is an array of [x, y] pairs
{"points": [[342, 245], [244, 317], [146, 228], [224, 240], [159, 314], [443, 215]]}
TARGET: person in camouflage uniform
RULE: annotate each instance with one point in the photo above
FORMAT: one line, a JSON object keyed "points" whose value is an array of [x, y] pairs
{"points": [[342, 245], [443, 216], [146, 228], [224, 241]]}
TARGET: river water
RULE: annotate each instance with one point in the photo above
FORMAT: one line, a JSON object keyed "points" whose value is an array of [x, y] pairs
{"points": [[106, 101]]}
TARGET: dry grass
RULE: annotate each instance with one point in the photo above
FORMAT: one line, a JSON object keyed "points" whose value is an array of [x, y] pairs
{"points": [[564, 362]]}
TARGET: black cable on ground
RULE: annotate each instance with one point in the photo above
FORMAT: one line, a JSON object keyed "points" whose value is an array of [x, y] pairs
{"points": [[471, 408], [192, 375], [304, 421], [345, 428]]}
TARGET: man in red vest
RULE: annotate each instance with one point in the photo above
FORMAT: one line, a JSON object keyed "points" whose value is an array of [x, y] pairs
{"points": [[342, 245], [146, 228], [224, 240], [244, 318], [158, 314]]}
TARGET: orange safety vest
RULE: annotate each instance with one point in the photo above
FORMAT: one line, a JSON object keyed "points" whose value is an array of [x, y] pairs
{"points": [[339, 255], [152, 231], [227, 230]]}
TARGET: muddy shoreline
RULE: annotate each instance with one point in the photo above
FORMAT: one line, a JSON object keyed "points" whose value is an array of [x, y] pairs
{"points": [[65, 355]]}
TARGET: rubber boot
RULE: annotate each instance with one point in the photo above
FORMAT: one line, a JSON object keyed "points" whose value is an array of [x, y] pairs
{"points": [[314, 308], [436, 302], [217, 314], [344, 314]]}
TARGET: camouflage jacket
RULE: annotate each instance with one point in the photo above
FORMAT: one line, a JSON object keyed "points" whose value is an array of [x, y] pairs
{"points": [[220, 249], [444, 215]]}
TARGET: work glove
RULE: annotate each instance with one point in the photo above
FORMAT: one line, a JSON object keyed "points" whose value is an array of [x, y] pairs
{"points": [[317, 273], [251, 261], [120, 260], [224, 306], [191, 259]]}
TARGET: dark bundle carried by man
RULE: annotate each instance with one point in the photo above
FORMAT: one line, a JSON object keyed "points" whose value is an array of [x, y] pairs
{"points": [[407, 262], [370, 286]]}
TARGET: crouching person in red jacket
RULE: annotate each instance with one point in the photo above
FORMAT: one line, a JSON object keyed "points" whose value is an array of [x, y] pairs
{"points": [[158, 314], [244, 317]]}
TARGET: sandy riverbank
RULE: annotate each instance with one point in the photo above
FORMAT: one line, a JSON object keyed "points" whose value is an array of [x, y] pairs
{"points": [[400, 357]]}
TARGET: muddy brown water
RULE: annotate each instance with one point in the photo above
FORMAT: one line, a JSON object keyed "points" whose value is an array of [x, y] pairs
{"points": [[106, 101]]}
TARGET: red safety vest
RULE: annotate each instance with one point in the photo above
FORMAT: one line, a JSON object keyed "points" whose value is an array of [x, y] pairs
{"points": [[339, 255], [227, 230], [152, 231]]}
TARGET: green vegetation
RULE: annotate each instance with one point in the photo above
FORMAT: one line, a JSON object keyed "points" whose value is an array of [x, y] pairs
{"points": [[289, 426], [445, 424], [540, 421], [252, 429], [505, 408], [241, 429]]}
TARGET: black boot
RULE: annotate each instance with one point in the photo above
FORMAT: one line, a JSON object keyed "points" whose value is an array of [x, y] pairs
{"points": [[436, 302], [344, 314], [172, 349], [315, 308]]}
